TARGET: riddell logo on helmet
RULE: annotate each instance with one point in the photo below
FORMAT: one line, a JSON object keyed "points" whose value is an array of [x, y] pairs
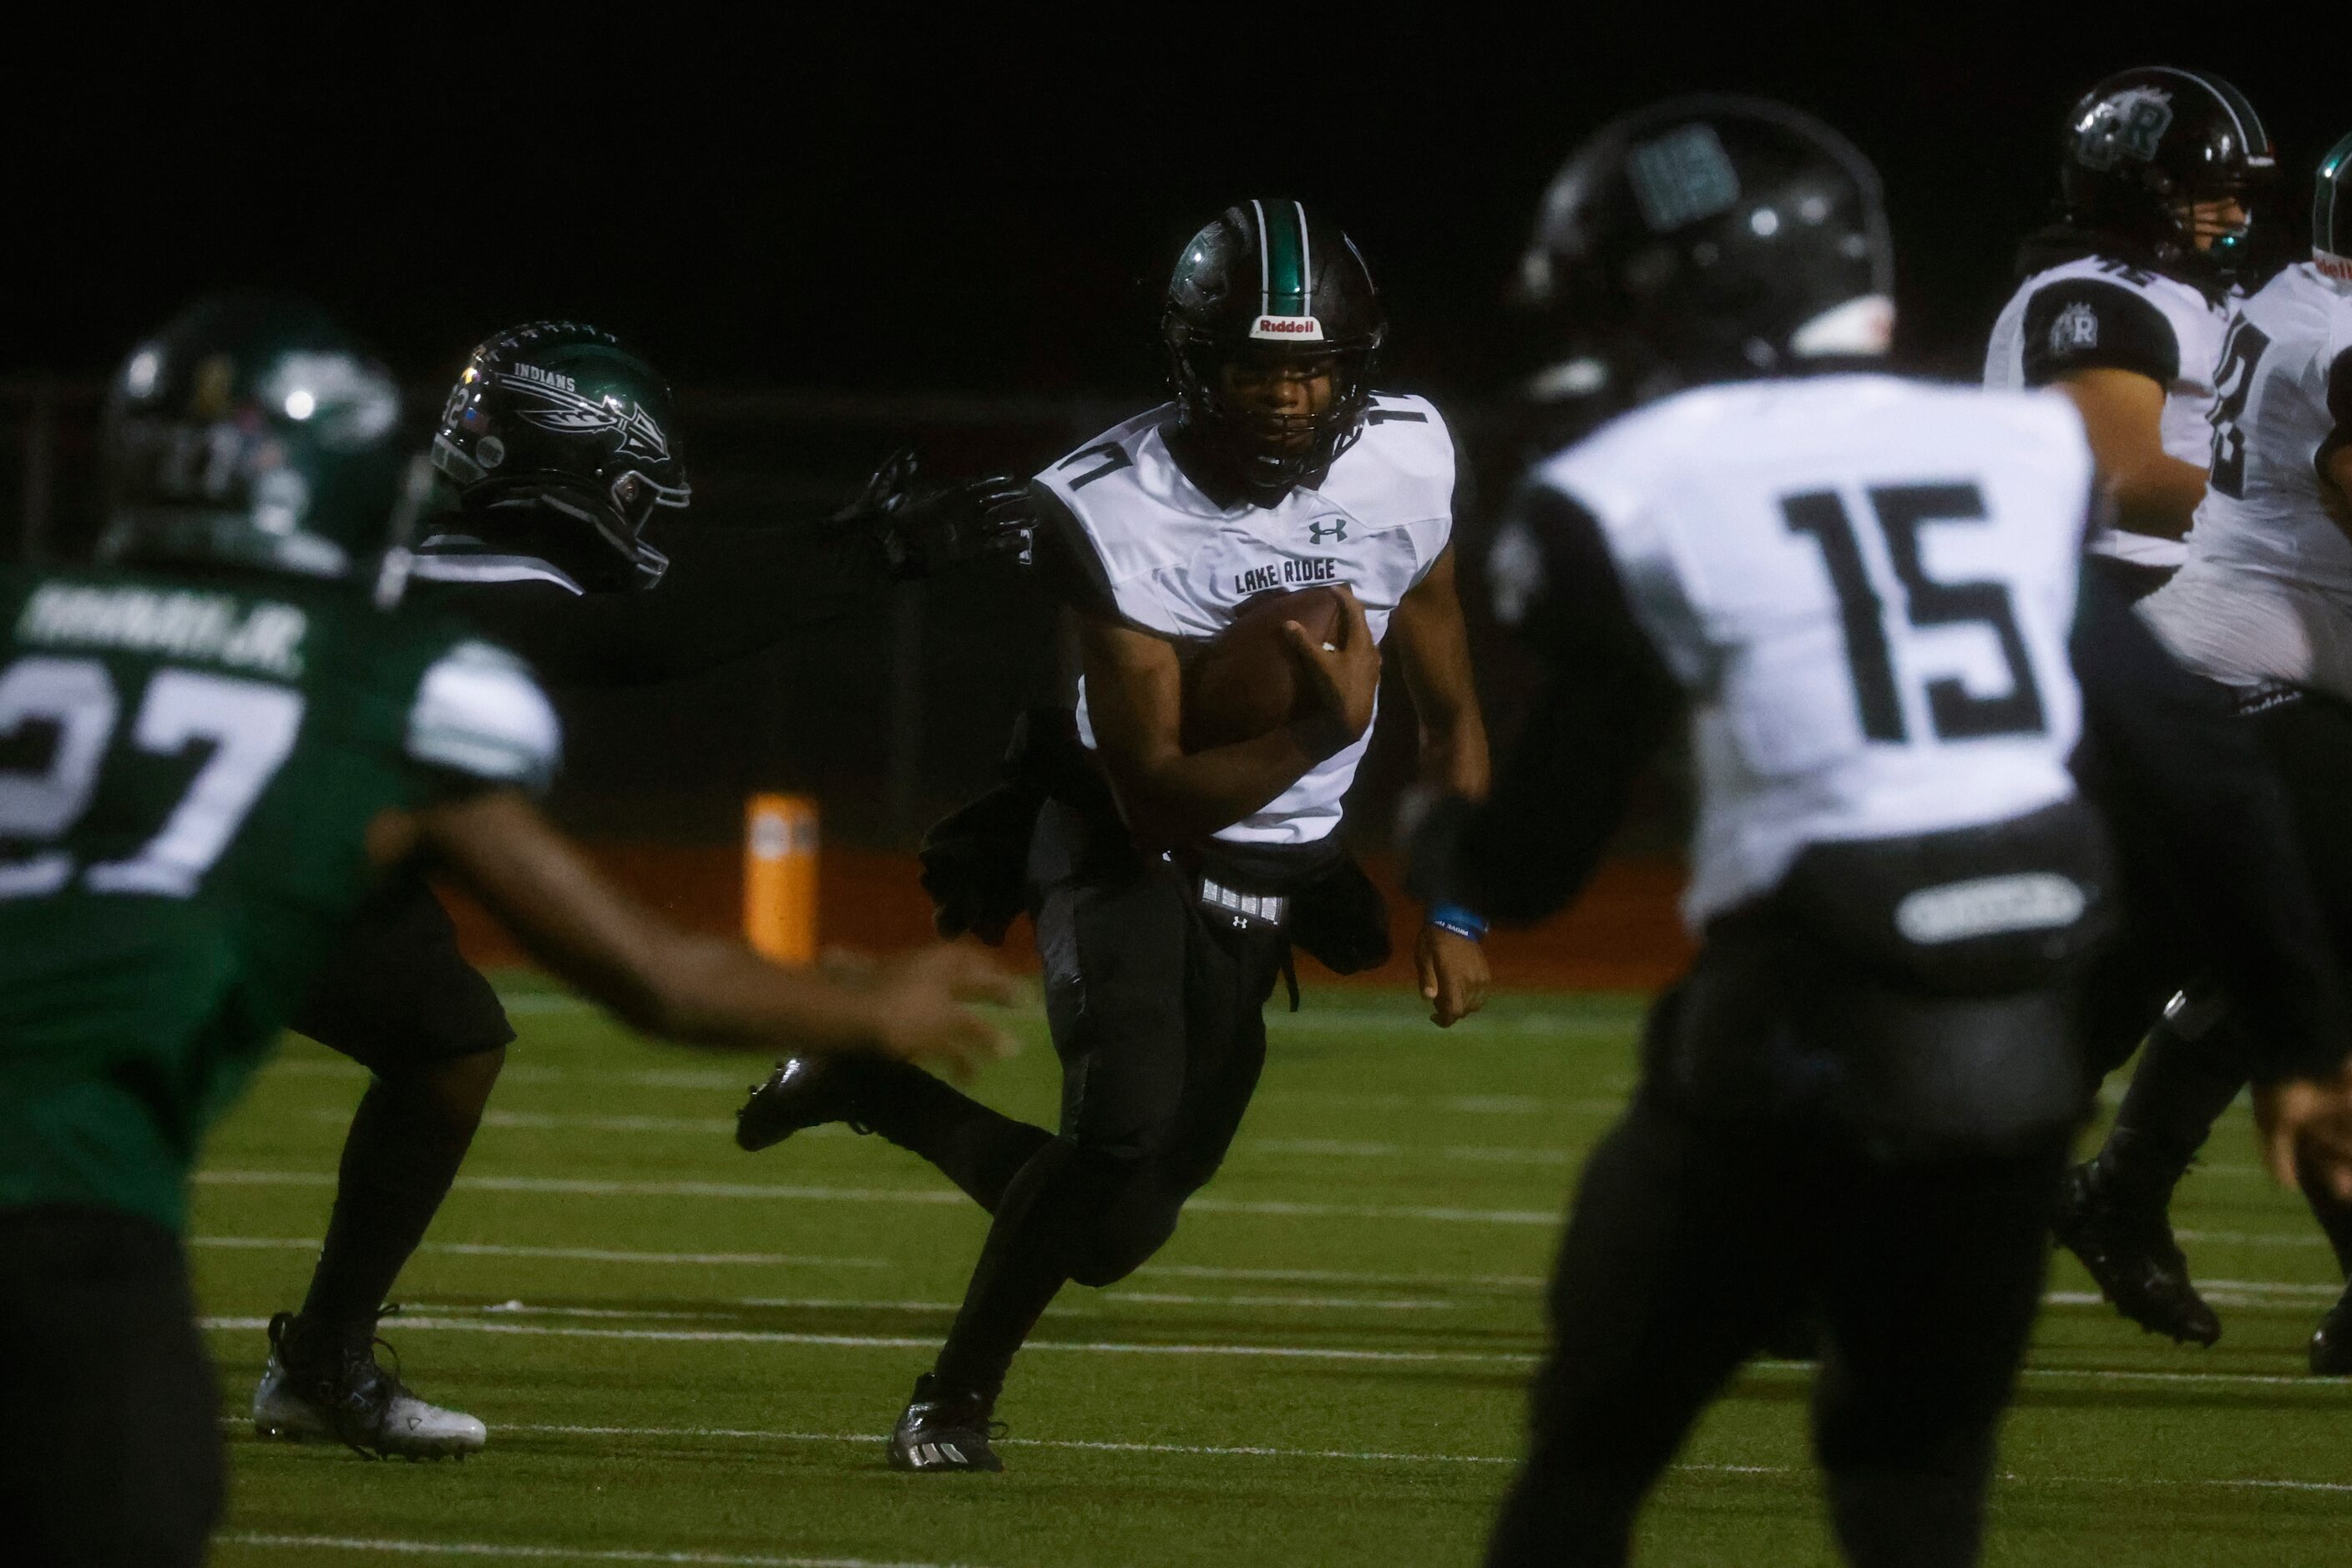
{"points": [[1304, 329]]}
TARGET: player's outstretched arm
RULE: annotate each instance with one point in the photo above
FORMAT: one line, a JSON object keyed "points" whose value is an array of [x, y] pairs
{"points": [[704, 990], [1135, 699], [2123, 413]]}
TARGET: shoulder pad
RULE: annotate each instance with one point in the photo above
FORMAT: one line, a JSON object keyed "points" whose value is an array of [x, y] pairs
{"points": [[1400, 471], [479, 713], [2088, 322]]}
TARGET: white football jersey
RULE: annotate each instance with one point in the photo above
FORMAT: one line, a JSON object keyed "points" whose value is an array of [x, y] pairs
{"points": [[1866, 584], [1179, 565], [2098, 311], [2267, 593]]}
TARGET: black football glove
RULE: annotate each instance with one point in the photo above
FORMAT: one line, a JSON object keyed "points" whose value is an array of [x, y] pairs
{"points": [[926, 526]]}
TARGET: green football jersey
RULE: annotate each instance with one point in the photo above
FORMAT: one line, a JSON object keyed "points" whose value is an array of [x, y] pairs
{"points": [[188, 766]]}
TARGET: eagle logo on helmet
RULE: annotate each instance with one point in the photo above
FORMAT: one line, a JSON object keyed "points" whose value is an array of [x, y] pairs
{"points": [[568, 411], [2127, 125]]}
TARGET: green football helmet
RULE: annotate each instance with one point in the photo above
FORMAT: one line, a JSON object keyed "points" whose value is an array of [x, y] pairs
{"points": [[561, 444], [251, 431]]}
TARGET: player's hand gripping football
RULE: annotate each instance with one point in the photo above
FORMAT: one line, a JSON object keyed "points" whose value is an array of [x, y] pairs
{"points": [[1339, 679], [919, 1012], [1453, 975], [2305, 1128]]}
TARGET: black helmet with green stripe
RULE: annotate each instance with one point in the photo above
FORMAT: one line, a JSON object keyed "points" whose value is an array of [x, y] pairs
{"points": [[561, 444], [252, 431], [1271, 286], [2144, 145], [2331, 212]]}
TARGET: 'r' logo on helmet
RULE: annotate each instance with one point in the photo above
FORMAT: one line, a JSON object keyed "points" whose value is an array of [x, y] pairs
{"points": [[1337, 530], [2127, 125]]}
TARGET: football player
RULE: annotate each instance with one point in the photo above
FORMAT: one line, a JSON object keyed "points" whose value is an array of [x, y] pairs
{"points": [[558, 451], [2124, 297], [1858, 592], [2263, 606], [209, 747], [1166, 886]]}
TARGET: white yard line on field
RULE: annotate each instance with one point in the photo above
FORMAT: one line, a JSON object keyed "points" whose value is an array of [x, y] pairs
{"points": [[403, 1548], [2325, 1387], [569, 1254], [605, 1187], [1253, 1451]]}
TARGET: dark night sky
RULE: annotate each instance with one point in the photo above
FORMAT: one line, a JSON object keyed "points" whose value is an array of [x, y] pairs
{"points": [[884, 203]]}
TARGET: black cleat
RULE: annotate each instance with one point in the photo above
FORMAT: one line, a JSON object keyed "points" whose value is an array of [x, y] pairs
{"points": [[803, 1092], [2127, 1245], [941, 1432], [2331, 1343]]}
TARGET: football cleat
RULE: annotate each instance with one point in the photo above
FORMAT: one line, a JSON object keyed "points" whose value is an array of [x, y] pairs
{"points": [[314, 1391], [2128, 1247], [2331, 1343], [803, 1092], [941, 1432]]}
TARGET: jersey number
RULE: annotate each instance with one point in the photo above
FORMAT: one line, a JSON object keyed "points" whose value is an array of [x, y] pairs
{"points": [[249, 726], [2233, 385], [1902, 511]]}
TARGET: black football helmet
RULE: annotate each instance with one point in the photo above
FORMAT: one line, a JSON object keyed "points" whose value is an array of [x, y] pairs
{"points": [[2331, 212], [251, 431], [2145, 144], [561, 444], [1709, 237], [1271, 281]]}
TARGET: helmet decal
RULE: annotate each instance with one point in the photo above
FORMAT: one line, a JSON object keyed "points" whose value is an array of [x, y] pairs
{"points": [[2126, 126], [1682, 177], [563, 408]]}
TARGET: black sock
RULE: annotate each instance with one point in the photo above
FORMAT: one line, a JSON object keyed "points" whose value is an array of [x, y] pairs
{"points": [[398, 1162], [1019, 1270], [978, 1148], [2180, 1088]]}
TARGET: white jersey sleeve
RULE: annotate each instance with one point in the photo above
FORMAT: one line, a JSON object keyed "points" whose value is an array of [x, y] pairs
{"points": [[1169, 560], [1866, 585], [479, 713]]}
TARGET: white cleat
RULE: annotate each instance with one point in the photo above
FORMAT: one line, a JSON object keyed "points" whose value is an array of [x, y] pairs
{"points": [[343, 1396]]}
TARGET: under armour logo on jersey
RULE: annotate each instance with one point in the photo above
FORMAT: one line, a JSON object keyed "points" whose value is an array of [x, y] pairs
{"points": [[2077, 327], [1337, 529]]}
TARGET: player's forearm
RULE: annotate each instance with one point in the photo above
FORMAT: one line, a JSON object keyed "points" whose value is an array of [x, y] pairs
{"points": [[715, 992], [2157, 497], [1172, 799], [1454, 755]]}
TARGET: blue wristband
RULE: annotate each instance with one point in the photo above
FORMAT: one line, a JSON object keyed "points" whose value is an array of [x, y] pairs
{"points": [[1461, 922]]}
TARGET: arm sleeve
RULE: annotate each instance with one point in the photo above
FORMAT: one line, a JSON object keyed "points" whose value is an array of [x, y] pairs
{"points": [[730, 593], [1609, 700], [2081, 324], [2198, 815], [479, 722]]}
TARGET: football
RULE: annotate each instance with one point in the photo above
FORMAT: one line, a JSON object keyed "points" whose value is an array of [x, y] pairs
{"points": [[1244, 681]]}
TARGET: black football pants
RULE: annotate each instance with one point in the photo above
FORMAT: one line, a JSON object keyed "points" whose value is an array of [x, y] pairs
{"points": [[109, 1441], [1689, 1243], [398, 998], [1156, 1008]]}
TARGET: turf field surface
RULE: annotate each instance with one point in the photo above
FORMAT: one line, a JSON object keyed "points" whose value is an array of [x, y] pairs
{"points": [[689, 1354]]}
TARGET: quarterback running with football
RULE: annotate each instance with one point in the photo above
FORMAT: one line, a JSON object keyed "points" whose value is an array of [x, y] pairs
{"points": [[1168, 886], [212, 745], [557, 451]]}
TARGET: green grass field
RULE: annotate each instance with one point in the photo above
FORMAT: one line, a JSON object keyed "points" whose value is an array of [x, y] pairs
{"points": [[689, 1354]]}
